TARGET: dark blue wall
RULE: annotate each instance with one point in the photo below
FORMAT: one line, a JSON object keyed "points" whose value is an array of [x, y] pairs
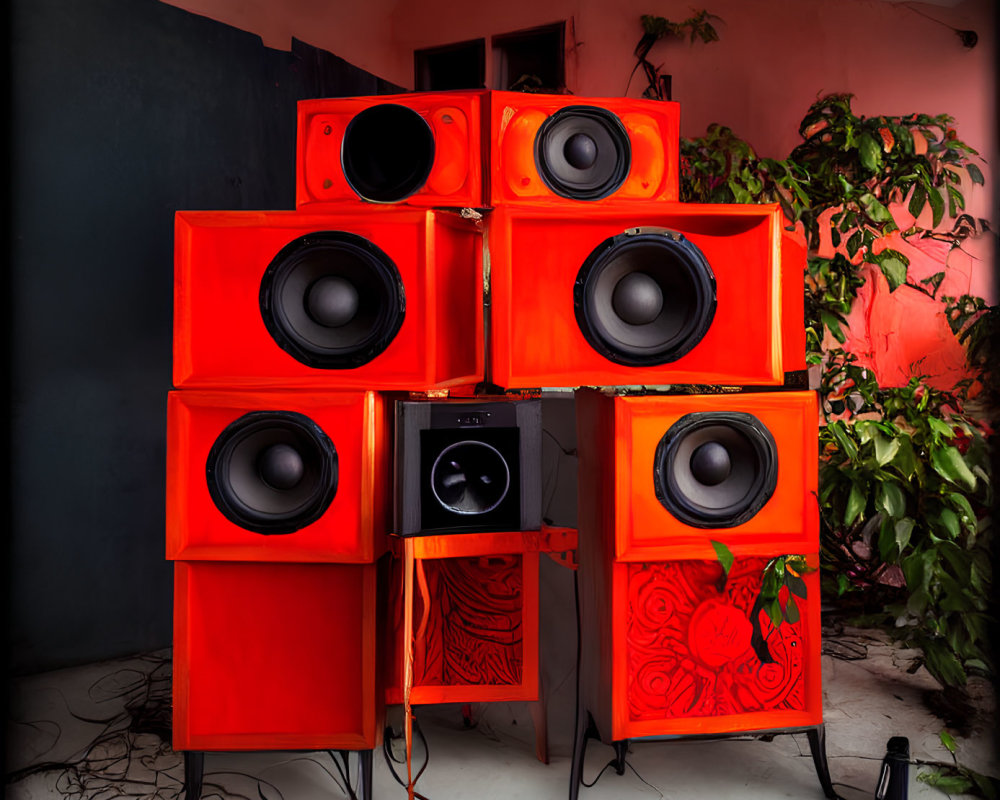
{"points": [[123, 111]]}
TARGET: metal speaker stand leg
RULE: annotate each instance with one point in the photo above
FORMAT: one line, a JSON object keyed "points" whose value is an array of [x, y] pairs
{"points": [[817, 745], [365, 774], [194, 770]]}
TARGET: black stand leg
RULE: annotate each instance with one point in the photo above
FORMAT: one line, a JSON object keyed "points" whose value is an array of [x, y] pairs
{"points": [[365, 775], [621, 750], [584, 731], [194, 768], [817, 744]]}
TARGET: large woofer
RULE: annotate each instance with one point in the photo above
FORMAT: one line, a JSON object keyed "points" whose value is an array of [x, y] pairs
{"points": [[645, 297], [387, 153], [272, 472], [333, 300], [715, 469], [470, 477], [583, 152]]}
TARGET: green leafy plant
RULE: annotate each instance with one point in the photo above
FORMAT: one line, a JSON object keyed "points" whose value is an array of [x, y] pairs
{"points": [[956, 779], [655, 28], [905, 489]]}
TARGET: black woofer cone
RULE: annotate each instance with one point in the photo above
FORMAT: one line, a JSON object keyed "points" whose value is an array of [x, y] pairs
{"points": [[387, 153], [470, 477], [715, 469], [645, 297], [583, 152], [272, 472], [332, 300]]}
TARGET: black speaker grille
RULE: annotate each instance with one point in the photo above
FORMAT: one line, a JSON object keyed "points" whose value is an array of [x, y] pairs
{"points": [[332, 300], [645, 297], [583, 152], [715, 469], [272, 472]]}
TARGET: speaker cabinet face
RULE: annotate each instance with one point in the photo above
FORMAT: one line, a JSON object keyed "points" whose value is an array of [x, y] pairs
{"points": [[559, 149], [683, 657], [683, 470], [276, 476], [274, 656], [422, 149], [467, 466], [375, 298], [475, 621], [644, 294]]}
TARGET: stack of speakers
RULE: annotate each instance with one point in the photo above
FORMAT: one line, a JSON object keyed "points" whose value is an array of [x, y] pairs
{"points": [[367, 367]]}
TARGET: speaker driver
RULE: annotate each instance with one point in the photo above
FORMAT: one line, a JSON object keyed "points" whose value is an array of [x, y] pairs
{"points": [[387, 153], [715, 469], [272, 472], [583, 152], [645, 297], [470, 477], [332, 300]]}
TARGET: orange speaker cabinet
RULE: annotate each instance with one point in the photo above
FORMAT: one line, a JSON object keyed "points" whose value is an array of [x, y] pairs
{"points": [[422, 149], [667, 639], [277, 476], [475, 619], [638, 294], [275, 657], [639, 459], [365, 298], [562, 149]]}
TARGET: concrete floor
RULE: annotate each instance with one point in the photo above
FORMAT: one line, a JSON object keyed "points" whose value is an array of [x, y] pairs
{"points": [[96, 732]]}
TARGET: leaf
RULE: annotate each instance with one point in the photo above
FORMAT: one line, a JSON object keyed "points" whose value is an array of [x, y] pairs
{"points": [[967, 515], [870, 152], [976, 174], [854, 242], [948, 741], [917, 200], [833, 326], [795, 585], [847, 445], [791, 611], [903, 529], [948, 463], [894, 271], [942, 664], [724, 554], [774, 612], [948, 520], [856, 502], [937, 205], [891, 501], [885, 449], [905, 459], [940, 427]]}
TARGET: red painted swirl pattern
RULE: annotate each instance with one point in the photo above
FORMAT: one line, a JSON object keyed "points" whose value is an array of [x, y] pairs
{"points": [[688, 644], [473, 632]]}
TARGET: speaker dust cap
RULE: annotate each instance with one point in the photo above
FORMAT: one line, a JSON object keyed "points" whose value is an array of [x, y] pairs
{"points": [[332, 300], [387, 153], [645, 297], [583, 152], [715, 469]]}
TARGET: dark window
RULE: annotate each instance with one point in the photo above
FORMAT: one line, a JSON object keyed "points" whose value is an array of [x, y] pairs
{"points": [[531, 60], [451, 66]]}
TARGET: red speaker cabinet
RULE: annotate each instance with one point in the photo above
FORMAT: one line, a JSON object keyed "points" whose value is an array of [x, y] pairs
{"points": [[422, 149], [561, 149], [275, 657], [636, 294], [364, 298], [475, 619], [277, 476], [666, 639]]}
